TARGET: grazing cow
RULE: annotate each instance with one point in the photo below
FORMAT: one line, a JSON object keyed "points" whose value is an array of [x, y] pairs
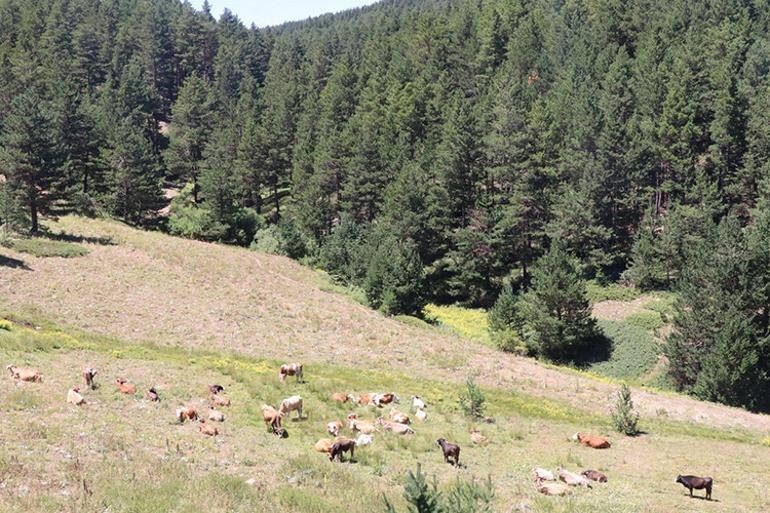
{"points": [[395, 427], [543, 474], [556, 489], [74, 397], [696, 483], [24, 373], [216, 415], [595, 442], [293, 403], [334, 427], [187, 413], [342, 446], [272, 418], [291, 369], [363, 426], [573, 479], [595, 475], [450, 450], [125, 387], [364, 439], [207, 429], [477, 438], [152, 395], [421, 415], [88, 377], [397, 416], [216, 389], [220, 400], [339, 397], [418, 403]]}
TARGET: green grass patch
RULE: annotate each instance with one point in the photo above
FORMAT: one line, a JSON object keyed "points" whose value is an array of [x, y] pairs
{"points": [[612, 292], [646, 319], [470, 323], [46, 248], [327, 284], [663, 303], [634, 351]]}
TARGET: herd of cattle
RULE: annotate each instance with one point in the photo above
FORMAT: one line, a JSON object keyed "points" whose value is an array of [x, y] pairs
{"points": [[397, 422]]}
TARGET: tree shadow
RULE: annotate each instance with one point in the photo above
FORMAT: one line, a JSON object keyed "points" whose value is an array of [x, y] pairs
{"points": [[71, 237], [15, 263], [599, 349]]}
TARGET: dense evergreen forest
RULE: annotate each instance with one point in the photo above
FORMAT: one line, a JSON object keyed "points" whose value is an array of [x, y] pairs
{"points": [[427, 150]]}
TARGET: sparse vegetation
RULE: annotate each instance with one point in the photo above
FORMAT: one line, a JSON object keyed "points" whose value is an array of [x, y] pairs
{"points": [[634, 351]]}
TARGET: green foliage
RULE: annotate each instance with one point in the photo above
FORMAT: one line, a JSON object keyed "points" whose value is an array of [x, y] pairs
{"points": [[648, 320], [470, 323], [597, 292], [394, 281], [556, 312], [46, 248], [423, 495], [6, 325], [624, 417], [472, 400], [634, 351], [506, 323]]}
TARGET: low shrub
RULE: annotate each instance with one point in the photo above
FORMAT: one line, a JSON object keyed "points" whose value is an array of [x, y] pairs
{"points": [[472, 400], [612, 292], [624, 417], [646, 319]]}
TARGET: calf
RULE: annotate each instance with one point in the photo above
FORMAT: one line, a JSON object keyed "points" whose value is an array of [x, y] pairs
{"points": [[215, 389], [216, 415], [334, 427], [339, 397], [291, 369], [543, 474], [380, 400], [595, 475], [207, 429], [74, 397], [152, 395], [395, 427], [397, 416], [293, 403], [556, 489], [272, 418], [24, 373], [88, 377], [450, 450], [573, 479], [595, 442], [340, 447], [418, 403], [363, 426], [696, 483], [125, 387], [187, 413], [220, 400]]}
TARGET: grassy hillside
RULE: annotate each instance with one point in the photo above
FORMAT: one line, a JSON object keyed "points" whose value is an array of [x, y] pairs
{"points": [[120, 453], [179, 314]]}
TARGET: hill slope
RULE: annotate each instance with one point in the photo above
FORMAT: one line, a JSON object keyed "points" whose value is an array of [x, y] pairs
{"points": [[143, 286], [202, 303]]}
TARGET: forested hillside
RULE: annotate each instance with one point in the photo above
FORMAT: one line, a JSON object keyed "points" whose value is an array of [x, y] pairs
{"points": [[427, 150]]}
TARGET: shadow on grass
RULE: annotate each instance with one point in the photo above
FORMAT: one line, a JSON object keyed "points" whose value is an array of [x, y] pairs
{"points": [[599, 349], [15, 263], [71, 237]]}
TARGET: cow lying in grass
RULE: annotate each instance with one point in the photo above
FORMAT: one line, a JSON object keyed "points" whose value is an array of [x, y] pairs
{"points": [[696, 483], [595, 442], [24, 373]]}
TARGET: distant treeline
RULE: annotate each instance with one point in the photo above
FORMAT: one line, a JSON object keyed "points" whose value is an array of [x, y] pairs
{"points": [[418, 149]]}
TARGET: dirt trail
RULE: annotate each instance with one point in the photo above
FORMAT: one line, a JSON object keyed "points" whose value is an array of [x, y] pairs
{"points": [[151, 287]]}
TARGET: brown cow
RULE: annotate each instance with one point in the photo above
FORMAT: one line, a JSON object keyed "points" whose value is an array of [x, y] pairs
{"points": [[125, 387], [340, 447], [595, 442], [697, 483]]}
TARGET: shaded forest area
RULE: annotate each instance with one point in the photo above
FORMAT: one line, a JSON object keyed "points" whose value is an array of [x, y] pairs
{"points": [[427, 150]]}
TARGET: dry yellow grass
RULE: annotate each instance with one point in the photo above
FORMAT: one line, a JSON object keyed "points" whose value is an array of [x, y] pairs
{"points": [[151, 287]]}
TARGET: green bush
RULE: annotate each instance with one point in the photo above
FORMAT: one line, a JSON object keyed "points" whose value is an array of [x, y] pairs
{"points": [[613, 292], [46, 248], [5, 325], [194, 222], [472, 400], [423, 496], [634, 351], [624, 417]]}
